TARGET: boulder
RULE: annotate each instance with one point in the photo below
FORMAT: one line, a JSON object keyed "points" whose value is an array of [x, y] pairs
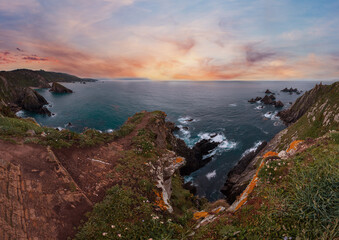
{"points": [[258, 99], [58, 88], [268, 91]]}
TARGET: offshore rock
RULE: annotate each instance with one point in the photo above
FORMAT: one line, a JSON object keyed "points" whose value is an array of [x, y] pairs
{"points": [[58, 88]]}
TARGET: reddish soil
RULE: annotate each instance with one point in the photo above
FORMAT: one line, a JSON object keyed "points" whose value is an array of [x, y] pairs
{"points": [[45, 193]]}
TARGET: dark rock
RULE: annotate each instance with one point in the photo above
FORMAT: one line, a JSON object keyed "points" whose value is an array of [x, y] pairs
{"points": [[30, 100], [58, 88], [279, 104], [301, 105], [230, 190], [290, 90], [185, 128], [189, 186], [252, 100], [267, 100], [194, 156], [268, 91]]}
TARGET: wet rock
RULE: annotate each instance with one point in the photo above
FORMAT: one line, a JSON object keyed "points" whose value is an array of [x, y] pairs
{"points": [[268, 91]]}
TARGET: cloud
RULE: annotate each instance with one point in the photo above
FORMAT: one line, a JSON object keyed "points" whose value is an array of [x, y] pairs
{"points": [[254, 55], [34, 58], [19, 6]]}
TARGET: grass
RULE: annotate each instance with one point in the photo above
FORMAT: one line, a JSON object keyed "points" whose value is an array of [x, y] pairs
{"points": [[12, 128], [297, 198], [125, 214]]}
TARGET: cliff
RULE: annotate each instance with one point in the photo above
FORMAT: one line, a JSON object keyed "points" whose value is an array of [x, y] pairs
{"points": [[51, 178], [13, 97], [127, 184], [15, 92], [313, 114]]}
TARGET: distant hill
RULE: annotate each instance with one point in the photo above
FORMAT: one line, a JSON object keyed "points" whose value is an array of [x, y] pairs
{"points": [[41, 78], [16, 92]]}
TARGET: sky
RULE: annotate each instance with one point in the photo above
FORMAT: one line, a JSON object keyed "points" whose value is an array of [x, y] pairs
{"points": [[173, 39]]}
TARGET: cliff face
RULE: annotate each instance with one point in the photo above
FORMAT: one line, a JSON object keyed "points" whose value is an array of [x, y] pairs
{"points": [[47, 190], [16, 97], [312, 115]]}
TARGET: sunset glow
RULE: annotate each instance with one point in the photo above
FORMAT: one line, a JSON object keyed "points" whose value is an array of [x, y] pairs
{"points": [[164, 40]]}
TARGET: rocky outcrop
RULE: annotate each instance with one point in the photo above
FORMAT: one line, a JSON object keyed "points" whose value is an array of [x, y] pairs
{"points": [[232, 188], [30, 100], [268, 99], [253, 100], [291, 90], [16, 98], [278, 104], [301, 105], [195, 159], [58, 88], [268, 92]]}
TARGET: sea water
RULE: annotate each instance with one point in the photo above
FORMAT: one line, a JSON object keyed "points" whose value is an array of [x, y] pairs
{"points": [[215, 110]]}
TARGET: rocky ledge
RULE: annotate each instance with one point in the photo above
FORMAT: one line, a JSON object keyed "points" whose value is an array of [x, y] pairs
{"points": [[58, 88], [231, 189]]}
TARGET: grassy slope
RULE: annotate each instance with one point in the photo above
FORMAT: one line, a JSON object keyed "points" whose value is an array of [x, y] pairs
{"points": [[297, 198], [312, 123], [129, 206]]}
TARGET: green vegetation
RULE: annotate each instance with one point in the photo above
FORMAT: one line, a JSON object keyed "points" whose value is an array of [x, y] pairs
{"points": [[296, 198], [125, 214], [318, 120]]}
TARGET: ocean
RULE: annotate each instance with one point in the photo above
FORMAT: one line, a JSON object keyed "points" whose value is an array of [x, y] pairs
{"points": [[213, 109]]}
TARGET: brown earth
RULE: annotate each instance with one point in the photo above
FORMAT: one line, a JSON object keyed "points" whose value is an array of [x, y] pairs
{"points": [[45, 193]]}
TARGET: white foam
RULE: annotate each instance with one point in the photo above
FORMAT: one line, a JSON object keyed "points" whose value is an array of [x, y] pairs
{"points": [[227, 145], [252, 149], [259, 107], [211, 154], [20, 113], [233, 105], [186, 120], [109, 130], [271, 115], [212, 174]]}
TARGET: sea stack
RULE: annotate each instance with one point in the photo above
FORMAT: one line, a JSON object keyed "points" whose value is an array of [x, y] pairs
{"points": [[58, 88]]}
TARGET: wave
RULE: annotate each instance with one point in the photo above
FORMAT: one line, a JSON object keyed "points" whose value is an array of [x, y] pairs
{"points": [[109, 130], [252, 149], [259, 107], [272, 115], [232, 105], [211, 175], [186, 120], [20, 113]]}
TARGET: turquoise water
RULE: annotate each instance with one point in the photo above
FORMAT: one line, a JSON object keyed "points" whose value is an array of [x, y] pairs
{"points": [[215, 107]]}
